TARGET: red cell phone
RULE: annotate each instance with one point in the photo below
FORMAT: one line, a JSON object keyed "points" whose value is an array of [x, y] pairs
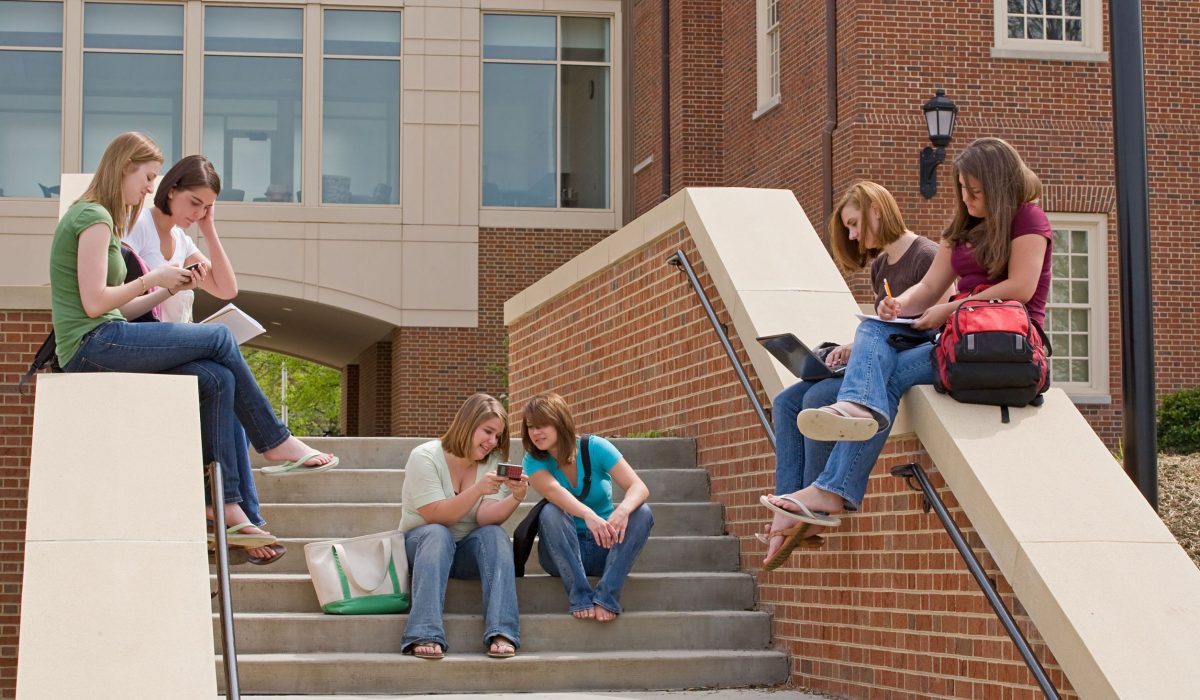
{"points": [[509, 471]]}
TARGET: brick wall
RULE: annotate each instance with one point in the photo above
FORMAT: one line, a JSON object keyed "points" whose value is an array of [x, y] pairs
{"points": [[375, 391], [348, 418], [23, 333], [887, 609], [435, 369]]}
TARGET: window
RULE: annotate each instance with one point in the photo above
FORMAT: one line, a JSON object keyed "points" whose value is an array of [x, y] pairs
{"points": [[31, 39], [253, 82], [360, 128], [1049, 29], [120, 41], [1077, 313], [546, 111], [768, 56]]}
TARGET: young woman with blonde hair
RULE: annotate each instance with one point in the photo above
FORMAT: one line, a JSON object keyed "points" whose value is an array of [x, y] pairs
{"points": [[583, 535], [453, 505], [90, 302], [865, 227], [999, 238]]}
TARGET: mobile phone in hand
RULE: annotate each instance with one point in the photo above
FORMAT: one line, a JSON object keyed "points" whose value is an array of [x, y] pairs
{"points": [[509, 471], [193, 267]]}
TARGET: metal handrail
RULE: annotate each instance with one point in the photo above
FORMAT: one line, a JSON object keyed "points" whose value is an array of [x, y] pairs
{"points": [[679, 259], [228, 646], [932, 500]]}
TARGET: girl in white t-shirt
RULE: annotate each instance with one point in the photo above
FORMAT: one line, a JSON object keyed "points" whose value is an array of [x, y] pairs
{"points": [[186, 196]]}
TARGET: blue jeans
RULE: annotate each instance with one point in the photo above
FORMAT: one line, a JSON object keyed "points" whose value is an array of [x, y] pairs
{"points": [[229, 395], [433, 557], [572, 555], [798, 460], [246, 487]]}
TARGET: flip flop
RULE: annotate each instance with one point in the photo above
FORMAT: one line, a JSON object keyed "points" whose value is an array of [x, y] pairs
{"points": [[792, 537], [299, 467], [439, 654], [810, 542], [279, 550], [236, 555], [806, 515], [249, 541], [830, 424], [506, 649]]}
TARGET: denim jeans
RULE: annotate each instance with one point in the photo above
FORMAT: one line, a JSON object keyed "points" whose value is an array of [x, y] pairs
{"points": [[572, 555], [229, 395], [434, 557], [798, 460], [246, 487]]}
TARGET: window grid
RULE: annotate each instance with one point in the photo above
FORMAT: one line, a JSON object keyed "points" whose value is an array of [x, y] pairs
{"points": [[773, 45], [1046, 20], [1069, 308]]}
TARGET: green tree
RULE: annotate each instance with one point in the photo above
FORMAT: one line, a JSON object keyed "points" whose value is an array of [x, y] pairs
{"points": [[314, 392]]}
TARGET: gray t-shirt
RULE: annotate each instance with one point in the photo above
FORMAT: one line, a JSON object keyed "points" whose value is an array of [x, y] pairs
{"points": [[427, 480], [906, 271]]}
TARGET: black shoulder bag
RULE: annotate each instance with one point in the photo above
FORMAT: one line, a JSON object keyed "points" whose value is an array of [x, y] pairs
{"points": [[528, 528]]}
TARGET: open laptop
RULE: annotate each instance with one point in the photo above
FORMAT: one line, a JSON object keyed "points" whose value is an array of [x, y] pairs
{"points": [[795, 355]]}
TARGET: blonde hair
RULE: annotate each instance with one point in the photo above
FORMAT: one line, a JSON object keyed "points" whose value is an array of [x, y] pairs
{"points": [[130, 149], [472, 414], [548, 408], [852, 256], [1007, 183]]}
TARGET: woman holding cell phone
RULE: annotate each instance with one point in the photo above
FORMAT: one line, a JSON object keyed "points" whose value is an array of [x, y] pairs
{"points": [[454, 501]]}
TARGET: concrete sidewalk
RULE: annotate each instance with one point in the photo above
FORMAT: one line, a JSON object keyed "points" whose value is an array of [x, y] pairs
{"points": [[729, 694]]}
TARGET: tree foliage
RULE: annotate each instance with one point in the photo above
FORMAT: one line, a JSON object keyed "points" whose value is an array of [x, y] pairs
{"points": [[314, 392]]}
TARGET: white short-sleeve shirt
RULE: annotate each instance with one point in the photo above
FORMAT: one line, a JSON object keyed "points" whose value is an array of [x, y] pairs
{"points": [[427, 480], [143, 239]]}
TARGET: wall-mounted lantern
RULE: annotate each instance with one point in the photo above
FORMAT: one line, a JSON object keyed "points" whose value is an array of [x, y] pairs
{"points": [[939, 118]]}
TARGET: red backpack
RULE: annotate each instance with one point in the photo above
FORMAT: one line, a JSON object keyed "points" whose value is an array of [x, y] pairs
{"points": [[991, 352]]}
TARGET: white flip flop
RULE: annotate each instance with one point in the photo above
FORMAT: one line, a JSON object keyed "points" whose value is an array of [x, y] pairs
{"points": [[830, 424], [806, 515]]}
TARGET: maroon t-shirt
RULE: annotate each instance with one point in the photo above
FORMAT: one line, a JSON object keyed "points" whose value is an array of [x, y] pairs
{"points": [[1030, 220]]}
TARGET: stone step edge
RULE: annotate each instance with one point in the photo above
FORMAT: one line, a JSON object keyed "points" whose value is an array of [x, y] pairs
{"points": [[269, 577], [291, 616], [478, 657]]}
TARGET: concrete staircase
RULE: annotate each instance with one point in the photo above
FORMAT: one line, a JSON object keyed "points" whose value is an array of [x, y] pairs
{"points": [[690, 620]]}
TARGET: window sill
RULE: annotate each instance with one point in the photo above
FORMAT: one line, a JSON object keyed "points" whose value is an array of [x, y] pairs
{"points": [[1089, 399], [1087, 56], [548, 218], [765, 107]]}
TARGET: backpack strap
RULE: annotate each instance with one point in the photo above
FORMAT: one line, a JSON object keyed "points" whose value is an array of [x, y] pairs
{"points": [[43, 357], [585, 442]]}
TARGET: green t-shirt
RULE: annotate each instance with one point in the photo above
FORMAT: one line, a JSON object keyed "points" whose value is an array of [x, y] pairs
{"points": [[427, 480], [71, 322]]}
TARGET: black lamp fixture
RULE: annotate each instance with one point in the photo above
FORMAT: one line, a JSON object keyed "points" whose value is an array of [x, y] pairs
{"points": [[939, 118]]}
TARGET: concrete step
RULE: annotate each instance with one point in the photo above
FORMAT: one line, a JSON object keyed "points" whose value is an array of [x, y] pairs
{"points": [[662, 592], [348, 673], [392, 452], [679, 553], [303, 633], [325, 520], [372, 485]]}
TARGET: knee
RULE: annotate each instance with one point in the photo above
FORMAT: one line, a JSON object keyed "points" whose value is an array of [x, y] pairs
{"points": [[642, 516], [551, 516], [433, 540], [212, 377], [494, 537], [823, 394]]}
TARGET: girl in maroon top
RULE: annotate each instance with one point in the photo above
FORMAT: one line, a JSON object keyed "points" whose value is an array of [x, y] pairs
{"points": [[999, 236]]}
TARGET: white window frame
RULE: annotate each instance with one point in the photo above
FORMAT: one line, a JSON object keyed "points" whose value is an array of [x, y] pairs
{"points": [[1090, 49], [768, 56], [1096, 225]]}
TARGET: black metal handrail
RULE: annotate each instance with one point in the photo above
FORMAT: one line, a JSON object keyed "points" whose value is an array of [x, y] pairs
{"points": [[228, 646], [679, 259], [909, 472]]}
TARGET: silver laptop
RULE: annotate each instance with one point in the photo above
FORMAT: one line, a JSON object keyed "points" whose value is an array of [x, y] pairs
{"points": [[798, 358]]}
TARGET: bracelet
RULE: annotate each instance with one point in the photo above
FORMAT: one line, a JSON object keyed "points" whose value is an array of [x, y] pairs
{"points": [[169, 292], [143, 281]]}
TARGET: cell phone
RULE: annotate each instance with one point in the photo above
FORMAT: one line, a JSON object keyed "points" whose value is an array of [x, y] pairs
{"points": [[509, 471], [193, 267]]}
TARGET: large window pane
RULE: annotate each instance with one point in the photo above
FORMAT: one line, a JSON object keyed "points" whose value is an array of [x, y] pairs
{"points": [[31, 115], [31, 24], [585, 137], [252, 125], [585, 39], [519, 159], [253, 30], [361, 33], [360, 155], [523, 37], [119, 26], [112, 103]]}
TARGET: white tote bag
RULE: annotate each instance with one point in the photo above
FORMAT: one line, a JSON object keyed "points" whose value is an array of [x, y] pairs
{"points": [[365, 575]]}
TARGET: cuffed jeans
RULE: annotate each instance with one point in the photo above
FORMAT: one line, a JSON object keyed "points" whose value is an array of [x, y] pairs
{"points": [[572, 555], [229, 395], [434, 557]]}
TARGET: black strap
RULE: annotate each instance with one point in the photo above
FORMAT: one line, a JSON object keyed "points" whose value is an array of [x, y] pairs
{"points": [[1004, 414], [585, 442], [45, 356]]}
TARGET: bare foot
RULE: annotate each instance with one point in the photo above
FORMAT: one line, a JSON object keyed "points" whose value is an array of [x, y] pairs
{"points": [[501, 648], [850, 409], [585, 614], [266, 553], [234, 515], [604, 614], [292, 449]]}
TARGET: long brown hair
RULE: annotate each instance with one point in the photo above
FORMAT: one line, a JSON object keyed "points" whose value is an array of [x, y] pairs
{"points": [[548, 408], [472, 414], [128, 150], [1007, 183], [191, 172], [852, 256]]}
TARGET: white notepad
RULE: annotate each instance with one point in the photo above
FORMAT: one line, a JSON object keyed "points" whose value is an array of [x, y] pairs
{"points": [[244, 328]]}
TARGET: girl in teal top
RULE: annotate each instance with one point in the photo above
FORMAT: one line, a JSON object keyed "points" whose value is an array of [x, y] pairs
{"points": [[580, 534]]}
